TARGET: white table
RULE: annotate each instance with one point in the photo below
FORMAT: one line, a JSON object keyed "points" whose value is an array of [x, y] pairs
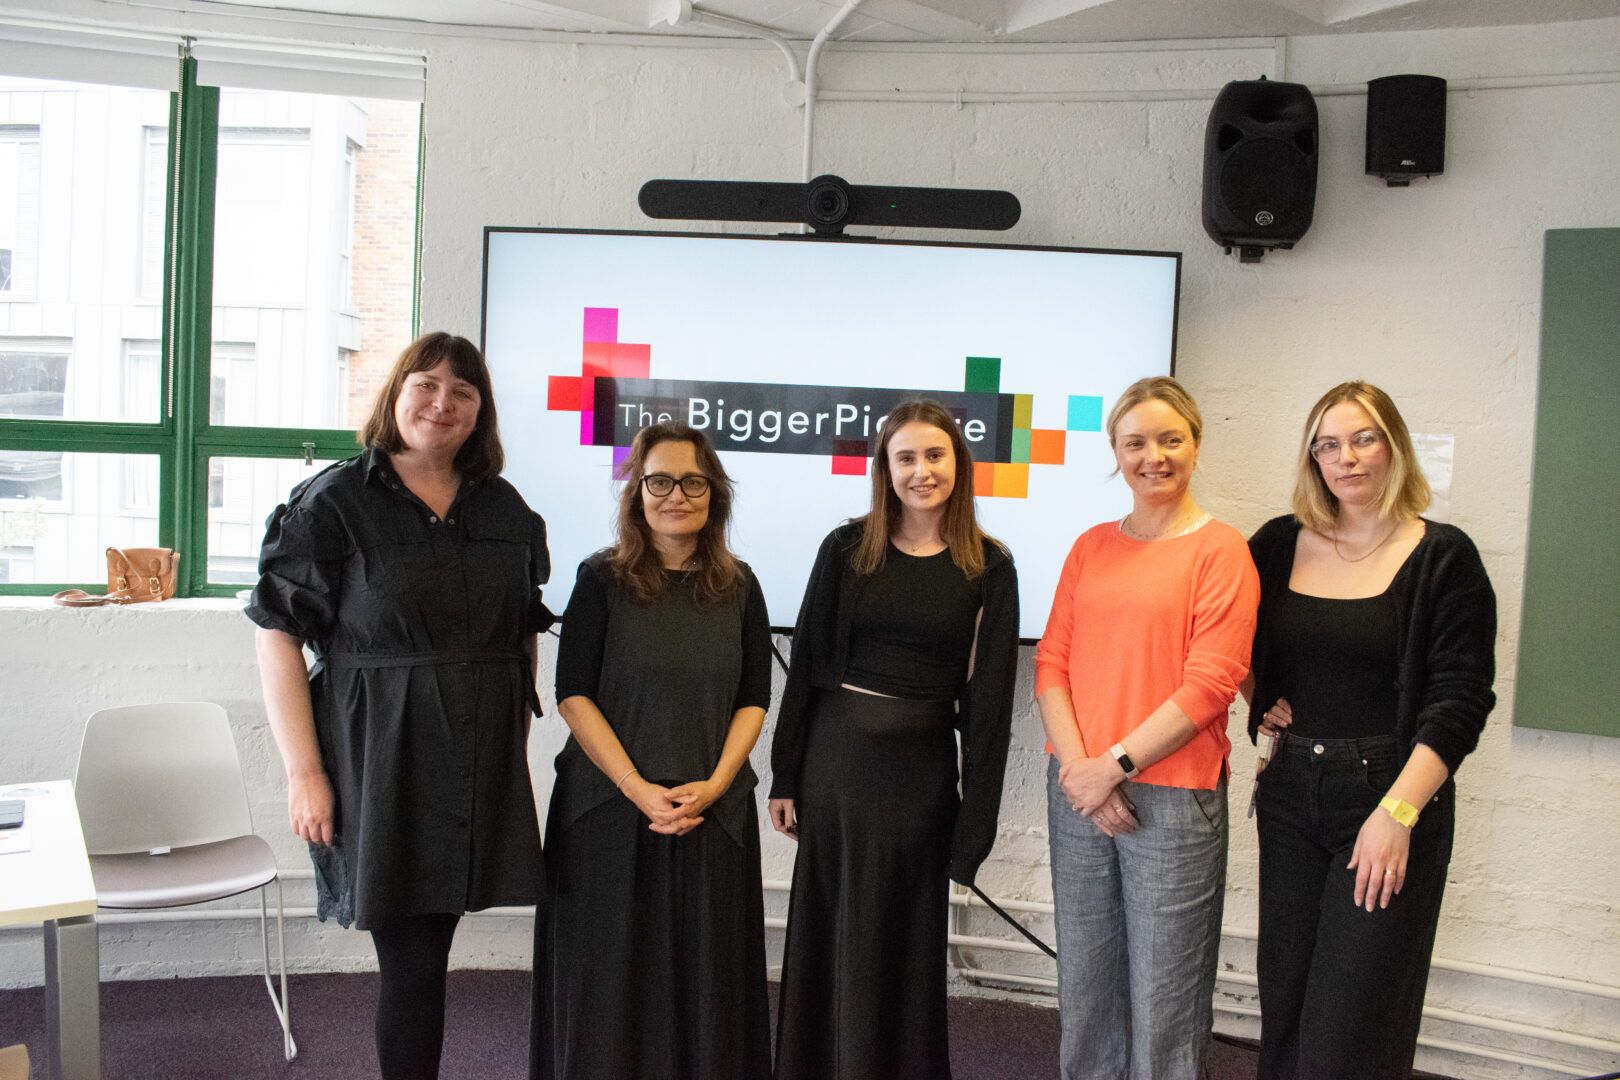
{"points": [[51, 883]]}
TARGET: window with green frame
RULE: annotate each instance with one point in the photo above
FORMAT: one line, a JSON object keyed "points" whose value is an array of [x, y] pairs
{"points": [[201, 289]]}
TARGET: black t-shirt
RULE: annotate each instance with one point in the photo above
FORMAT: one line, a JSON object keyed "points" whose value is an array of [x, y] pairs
{"points": [[912, 631], [1337, 664]]}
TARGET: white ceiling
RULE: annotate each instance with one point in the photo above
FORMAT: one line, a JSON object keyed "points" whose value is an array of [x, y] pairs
{"points": [[959, 20]]}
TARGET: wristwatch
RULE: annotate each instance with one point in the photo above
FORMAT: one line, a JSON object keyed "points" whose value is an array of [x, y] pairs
{"points": [[1124, 759]]}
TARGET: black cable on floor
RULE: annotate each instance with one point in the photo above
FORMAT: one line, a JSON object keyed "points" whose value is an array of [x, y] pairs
{"points": [[1014, 923]]}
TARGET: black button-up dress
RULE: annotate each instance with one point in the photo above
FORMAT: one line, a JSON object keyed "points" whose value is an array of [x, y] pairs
{"points": [[421, 689]]}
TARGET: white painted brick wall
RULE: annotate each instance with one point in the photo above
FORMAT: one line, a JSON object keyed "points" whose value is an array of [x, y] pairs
{"points": [[1432, 291]]}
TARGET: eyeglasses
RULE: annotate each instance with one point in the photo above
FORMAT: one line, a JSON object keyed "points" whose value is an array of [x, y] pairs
{"points": [[1326, 451], [660, 484]]}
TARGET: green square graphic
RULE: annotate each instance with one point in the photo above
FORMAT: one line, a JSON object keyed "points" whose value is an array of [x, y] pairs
{"points": [[1020, 446], [983, 375], [1085, 413]]}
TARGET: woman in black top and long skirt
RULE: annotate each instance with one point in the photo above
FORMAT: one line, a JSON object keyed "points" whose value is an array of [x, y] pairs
{"points": [[413, 573], [653, 966], [908, 634], [1373, 661]]}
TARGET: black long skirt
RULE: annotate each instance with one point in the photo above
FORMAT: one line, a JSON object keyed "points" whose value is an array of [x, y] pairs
{"points": [[863, 971], [650, 960]]}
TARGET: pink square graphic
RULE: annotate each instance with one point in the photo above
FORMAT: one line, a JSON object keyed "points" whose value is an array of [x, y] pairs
{"points": [[602, 324]]}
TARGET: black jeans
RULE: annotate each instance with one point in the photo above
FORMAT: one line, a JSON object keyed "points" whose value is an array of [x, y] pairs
{"points": [[1341, 988]]}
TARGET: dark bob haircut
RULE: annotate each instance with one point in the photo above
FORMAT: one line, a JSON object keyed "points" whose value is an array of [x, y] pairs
{"points": [[481, 456]]}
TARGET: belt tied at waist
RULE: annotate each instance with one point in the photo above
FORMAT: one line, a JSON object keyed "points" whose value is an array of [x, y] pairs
{"points": [[424, 659]]}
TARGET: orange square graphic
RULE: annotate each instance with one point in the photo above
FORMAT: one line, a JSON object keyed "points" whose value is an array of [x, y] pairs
{"points": [[984, 478], [1012, 481], [1046, 446]]}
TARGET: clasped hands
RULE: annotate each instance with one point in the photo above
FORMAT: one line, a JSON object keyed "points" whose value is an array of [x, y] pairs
{"points": [[672, 811], [1095, 786]]}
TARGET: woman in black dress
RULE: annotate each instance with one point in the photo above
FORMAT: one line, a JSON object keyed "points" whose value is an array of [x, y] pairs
{"points": [[908, 634], [653, 967], [413, 573], [1373, 662]]}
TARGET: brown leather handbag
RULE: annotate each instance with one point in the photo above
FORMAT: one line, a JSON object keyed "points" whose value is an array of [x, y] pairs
{"points": [[134, 576]]}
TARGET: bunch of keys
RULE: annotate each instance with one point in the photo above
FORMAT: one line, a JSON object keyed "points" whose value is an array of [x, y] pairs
{"points": [[1266, 745]]}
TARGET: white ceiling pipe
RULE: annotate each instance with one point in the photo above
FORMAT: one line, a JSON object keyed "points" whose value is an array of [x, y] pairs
{"points": [[684, 12], [1196, 93], [810, 79]]}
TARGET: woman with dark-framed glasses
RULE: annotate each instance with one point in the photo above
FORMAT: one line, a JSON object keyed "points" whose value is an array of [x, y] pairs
{"points": [[652, 966], [1372, 668]]}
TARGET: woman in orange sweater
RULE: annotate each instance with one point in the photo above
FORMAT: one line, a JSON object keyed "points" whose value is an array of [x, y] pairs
{"points": [[1148, 639]]}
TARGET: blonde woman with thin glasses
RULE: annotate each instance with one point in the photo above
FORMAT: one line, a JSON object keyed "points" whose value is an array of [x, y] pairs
{"points": [[1373, 662]]}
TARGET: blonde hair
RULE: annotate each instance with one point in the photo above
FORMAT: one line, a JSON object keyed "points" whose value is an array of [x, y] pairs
{"points": [[960, 527], [1406, 491], [1157, 388]]}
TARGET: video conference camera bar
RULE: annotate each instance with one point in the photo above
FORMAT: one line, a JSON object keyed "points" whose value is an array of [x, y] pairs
{"points": [[828, 203]]}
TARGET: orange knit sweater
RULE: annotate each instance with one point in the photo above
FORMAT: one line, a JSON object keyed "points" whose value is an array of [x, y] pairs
{"points": [[1135, 623]]}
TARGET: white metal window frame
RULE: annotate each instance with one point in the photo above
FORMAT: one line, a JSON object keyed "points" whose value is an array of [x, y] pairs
{"points": [[20, 195], [48, 49]]}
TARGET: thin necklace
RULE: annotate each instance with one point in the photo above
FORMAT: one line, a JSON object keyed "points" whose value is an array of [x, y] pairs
{"points": [[1197, 523], [1368, 553]]}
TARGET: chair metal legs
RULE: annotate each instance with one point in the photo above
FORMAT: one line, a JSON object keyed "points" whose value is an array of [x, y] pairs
{"points": [[289, 1047]]}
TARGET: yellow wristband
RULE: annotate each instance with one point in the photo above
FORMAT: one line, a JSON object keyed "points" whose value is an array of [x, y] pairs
{"points": [[1401, 810]]}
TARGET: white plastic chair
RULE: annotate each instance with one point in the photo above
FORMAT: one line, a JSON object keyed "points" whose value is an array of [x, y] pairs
{"points": [[166, 820]]}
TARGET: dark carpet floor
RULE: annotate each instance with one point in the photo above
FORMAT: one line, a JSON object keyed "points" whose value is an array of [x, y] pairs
{"points": [[224, 1029]]}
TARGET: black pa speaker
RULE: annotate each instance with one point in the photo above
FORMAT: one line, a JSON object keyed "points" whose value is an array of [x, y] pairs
{"points": [[1260, 166], [1406, 127]]}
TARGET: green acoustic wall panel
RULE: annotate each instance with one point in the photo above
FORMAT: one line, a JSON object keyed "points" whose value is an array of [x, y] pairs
{"points": [[1569, 642]]}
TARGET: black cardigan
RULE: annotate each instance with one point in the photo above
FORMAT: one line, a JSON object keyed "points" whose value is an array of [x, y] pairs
{"points": [[1446, 620], [984, 710]]}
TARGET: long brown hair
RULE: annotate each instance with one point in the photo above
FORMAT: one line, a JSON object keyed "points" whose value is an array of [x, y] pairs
{"points": [[959, 528], [1406, 491], [481, 456], [633, 558]]}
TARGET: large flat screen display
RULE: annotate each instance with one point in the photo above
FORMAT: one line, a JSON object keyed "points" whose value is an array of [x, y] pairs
{"points": [[788, 351]]}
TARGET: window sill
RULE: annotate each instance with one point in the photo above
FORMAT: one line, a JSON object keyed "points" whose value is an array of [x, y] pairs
{"points": [[191, 605]]}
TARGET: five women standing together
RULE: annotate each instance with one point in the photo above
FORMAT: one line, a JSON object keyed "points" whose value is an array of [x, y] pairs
{"points": [[413, 573]]}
